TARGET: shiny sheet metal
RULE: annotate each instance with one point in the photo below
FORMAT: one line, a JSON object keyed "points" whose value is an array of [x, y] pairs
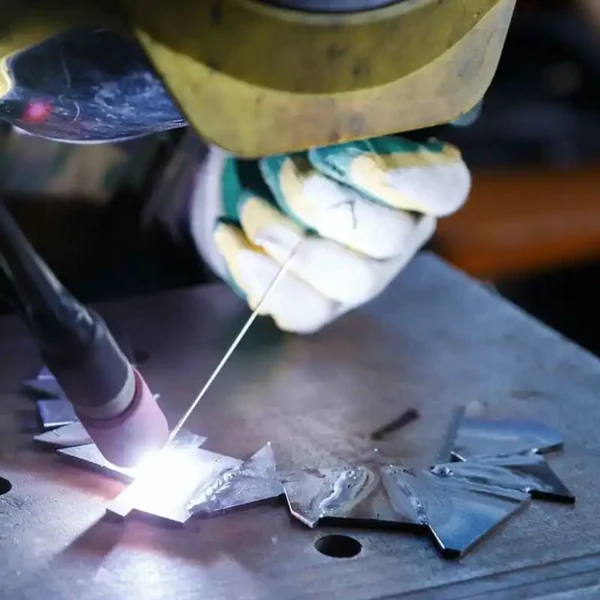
{"points": [[163, 488], [53, 407], [477, 437], [458, 513], [68, 436], [89, 456], [45, 373], [45, 387], [253, 482], [317, 496], [530, 474], [56, 413]]}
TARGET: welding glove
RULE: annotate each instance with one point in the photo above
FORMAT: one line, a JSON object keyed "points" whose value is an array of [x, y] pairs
{"points": [[352, 215]]}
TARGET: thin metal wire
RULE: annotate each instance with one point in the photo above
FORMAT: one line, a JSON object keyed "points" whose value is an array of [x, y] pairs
{"points": [[235, 344]]}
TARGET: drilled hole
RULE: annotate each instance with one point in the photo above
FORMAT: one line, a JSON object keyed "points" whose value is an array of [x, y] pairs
{"points": [[338, 546], [5, 486]]}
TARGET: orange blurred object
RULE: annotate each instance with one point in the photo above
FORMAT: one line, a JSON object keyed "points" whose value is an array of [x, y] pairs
{"points": [[521, 223]]}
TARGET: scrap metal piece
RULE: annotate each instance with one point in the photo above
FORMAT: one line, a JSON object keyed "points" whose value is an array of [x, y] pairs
{"points": [[253, 482], [445, 453], [55, 413], [457, 512], [405, 419], [530, 474], [68, 436], [477, 437], [164, 486]]}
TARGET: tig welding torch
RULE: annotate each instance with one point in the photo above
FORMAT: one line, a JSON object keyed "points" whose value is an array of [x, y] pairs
{"points": [[110, 397]]}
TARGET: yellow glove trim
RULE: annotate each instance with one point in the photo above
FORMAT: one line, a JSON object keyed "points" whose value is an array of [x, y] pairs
{"points": [[256, 214], [230, 242], [370, 173]]}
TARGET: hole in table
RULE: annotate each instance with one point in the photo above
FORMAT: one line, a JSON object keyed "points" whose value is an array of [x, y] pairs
{"points": [[338, 546], [5, 486]]}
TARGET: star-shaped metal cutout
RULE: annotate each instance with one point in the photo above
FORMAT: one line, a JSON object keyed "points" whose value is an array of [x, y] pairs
{"points": [[68, 436], [457, 513], [457, 503], [527, 473], [88, 456], [253, 482], [187, 481], [165, 487], [477, 437], [497, 468]]}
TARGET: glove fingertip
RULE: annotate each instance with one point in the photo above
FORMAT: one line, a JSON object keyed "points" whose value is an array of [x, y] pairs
{"points": [[245, 197], [229, 241]]}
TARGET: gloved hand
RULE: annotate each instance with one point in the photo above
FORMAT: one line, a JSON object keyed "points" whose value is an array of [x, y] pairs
{"points": [[360, 210]]}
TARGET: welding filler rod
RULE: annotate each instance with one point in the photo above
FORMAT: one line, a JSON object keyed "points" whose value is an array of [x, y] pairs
{"points": [[278, 277]]}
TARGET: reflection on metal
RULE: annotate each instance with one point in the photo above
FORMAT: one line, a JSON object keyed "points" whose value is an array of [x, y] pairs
{"points": [[165, 485], [55, 413], [445, 452], [529, 474], [315, 496], [44, 387], [458, 513], [45, 374], [497, 469], [477, 437], [53, 407], [68, 436], [253, 482], [89, 456]]}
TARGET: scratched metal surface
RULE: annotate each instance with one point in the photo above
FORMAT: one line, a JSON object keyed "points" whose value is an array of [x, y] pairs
{"points": [[435, 340]]}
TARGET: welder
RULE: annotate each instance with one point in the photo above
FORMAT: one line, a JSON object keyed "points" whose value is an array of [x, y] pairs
{"points": [[302, 104]]}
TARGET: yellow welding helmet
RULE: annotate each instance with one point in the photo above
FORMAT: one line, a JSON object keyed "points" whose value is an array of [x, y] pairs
{"points": [[255, 77]]}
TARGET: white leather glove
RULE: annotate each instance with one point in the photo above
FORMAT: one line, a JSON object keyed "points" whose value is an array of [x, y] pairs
{"points": [[360, 210]]}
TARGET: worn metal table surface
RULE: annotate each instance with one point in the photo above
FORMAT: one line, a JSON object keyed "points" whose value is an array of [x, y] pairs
{"points": [[435, 340]]}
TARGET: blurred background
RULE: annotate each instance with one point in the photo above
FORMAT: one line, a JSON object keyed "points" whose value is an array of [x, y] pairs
{"points": [[110, 220]]}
